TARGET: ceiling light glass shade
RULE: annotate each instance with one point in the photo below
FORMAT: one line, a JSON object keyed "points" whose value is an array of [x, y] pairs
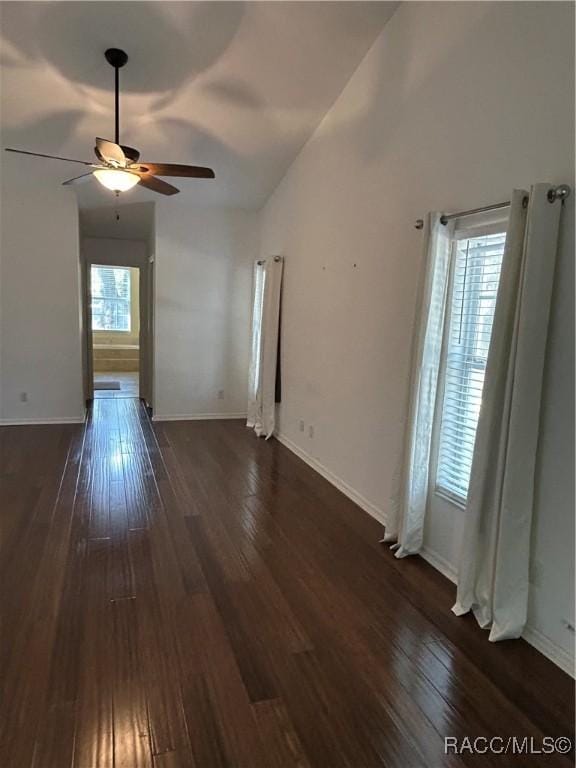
{"points": [[117, 181]]}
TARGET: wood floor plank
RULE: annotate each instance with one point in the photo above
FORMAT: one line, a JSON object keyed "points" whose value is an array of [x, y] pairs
{"points": [[206, 732], [184, 595], [250, 657], [185, 498], [553, 714], [219, 713], [132, 748], [323, 699], [171, 525], [28, 657], [55, 739], [33, 500], [141, 495], [281, 742], [160, 670], [100, 499], [173, 759], [94, 730]]}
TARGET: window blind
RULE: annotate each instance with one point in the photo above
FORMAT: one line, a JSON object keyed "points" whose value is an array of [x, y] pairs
{"points": [[472, 301], [110, 289]]}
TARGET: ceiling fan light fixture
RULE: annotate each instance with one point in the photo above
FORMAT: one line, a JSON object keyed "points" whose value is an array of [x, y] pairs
{"points": [[118, 168], [116, 181]]}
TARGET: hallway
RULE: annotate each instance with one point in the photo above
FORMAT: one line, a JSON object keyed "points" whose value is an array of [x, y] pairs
{"points": [[126, 384], [183, 594]]}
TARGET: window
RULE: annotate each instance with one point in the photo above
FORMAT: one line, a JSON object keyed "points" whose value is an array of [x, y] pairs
{"points": [[475, 275], [257, 311], [110, 287]]}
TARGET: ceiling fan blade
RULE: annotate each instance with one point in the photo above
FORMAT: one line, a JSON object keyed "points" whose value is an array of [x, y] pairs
{"points": [[111, 153], [50, 157], [174, 169], [132, 154], [156, 185], [78, 179]]}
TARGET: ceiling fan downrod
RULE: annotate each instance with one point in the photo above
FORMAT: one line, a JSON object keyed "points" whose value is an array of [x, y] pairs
{"points": [[117, 58], [118, 168]]}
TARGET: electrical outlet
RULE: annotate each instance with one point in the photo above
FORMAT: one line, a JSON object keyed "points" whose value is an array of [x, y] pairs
{"points": [[220, 394], [23, 397], [301, 425], [311, 430]]}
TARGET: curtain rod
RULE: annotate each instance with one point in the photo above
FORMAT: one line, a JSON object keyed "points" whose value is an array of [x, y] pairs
{"points": [[260, 262], [449, 216], [556, 193]]}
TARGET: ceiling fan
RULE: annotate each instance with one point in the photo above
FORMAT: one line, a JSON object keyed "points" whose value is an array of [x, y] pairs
{"points": [[119, 168]]}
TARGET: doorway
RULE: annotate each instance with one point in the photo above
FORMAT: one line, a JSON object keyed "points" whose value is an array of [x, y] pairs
{"points": [[115, 322], [117, 279]]}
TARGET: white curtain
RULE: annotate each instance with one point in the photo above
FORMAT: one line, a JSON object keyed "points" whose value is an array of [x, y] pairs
{"points": [[405, 523], [256, 342], [264, 350], [493, 575]]}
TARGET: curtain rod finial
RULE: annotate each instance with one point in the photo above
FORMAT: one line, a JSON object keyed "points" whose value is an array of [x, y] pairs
{"points": [[558, 193]]}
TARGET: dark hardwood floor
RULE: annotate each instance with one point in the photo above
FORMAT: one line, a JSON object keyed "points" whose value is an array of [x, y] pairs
{"points": [[184, 594]]}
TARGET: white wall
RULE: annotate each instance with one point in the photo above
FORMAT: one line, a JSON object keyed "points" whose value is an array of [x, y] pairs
{"points": [[454, 105], [135, 221], [203, 274], [39, 285]]}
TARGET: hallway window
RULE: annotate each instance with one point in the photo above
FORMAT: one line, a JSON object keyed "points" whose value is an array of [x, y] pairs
{"points": [[110, 288]]}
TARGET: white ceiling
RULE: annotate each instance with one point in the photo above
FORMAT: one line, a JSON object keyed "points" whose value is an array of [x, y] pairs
{"points": [[233, 85]]}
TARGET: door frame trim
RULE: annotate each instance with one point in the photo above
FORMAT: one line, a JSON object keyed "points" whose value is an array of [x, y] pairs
{"points": [[143, 261]]}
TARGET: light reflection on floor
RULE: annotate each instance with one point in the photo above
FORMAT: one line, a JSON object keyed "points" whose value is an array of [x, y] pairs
{"points": [[128, 380]]}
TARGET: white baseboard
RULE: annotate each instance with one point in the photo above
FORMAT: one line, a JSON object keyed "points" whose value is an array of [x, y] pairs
{"points": [[197, 416], [50, 420], [560, 656], [439, 563], [543, 644], [343, 486], [533, 636]]}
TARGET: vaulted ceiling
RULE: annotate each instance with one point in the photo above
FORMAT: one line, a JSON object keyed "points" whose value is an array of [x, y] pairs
{"points": [[239, 86]]}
